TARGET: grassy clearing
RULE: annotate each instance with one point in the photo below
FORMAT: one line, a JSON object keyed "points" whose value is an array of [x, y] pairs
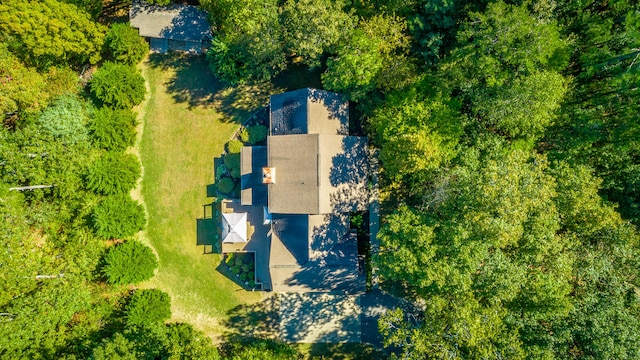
{"points": [[187, 119]]}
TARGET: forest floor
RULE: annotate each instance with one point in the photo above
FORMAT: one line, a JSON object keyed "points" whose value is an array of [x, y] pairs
{"points": [[187, 118]]}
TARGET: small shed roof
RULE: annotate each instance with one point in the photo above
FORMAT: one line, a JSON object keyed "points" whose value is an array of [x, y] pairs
{"points": [[234, 227], [176, 21]]}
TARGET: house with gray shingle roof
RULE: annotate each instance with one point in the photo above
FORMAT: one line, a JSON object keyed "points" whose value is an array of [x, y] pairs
{"points": [[309, 178], [175, 27]]}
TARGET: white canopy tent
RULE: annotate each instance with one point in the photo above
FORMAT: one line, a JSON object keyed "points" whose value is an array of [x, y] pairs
{"points": [[234, 227]]}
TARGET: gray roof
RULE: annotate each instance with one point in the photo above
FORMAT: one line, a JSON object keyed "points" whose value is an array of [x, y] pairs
{"points": [[314, 253], [252, 160], [309, 111], [317, 174], [176, 21]]}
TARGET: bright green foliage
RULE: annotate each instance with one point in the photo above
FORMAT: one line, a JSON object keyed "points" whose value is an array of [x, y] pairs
{"points": [[113, 173], [314, 27], [22, 89], [65, 119], [125, 45], [118, 86], [116, 347], [117, 217], [243, 134], [496, 265], [258, 349], [372, 56], [257, 134], [148, 307], [233, 146], [113, 130], [226, 185], [183, 342], [354, 68], [415, 132], [526, 107], [50, 32], [31, 156], [130, 262], [62, 81], [504, 41], [249, 45], [173, 341]]}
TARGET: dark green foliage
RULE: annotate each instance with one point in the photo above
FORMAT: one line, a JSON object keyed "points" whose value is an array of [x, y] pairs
{"points": [[130, 262], [233, 146], [113, 130], [232, 162], [117, 217], [117, 85], [125, 45], [257, 134], [50, 32], [226, 185], [148, 307], [113, 173]]}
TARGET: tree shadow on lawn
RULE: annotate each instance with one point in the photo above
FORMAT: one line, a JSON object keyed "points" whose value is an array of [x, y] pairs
{"points": [[259, 320], [194, 84]]}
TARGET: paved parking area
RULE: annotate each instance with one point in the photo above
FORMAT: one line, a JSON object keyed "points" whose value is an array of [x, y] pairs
{"points": [[319, 318]]}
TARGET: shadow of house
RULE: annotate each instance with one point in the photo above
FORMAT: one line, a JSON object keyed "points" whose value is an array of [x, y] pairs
{"points": [[175, 27]]}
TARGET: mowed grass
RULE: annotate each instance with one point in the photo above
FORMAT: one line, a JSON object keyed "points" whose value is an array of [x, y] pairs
{"points": [[187, 118]]}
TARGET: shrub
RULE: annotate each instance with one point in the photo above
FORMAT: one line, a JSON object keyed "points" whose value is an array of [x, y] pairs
{"points": [[239, 261], [118, 86], [113, 129], [148, 307], [113, 173], [129, 263], [257, 134], [118, 216], [226, 185], [125, 45], [233, 146], [232, 161], [65, 120], [243, 134]]}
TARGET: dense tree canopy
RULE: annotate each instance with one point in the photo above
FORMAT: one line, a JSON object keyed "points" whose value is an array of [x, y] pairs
{"points": [[49, 32], [113, 129], [118, 216], [113, 173], [148, 307], [125, 45], [117, 85], [131, 262]]}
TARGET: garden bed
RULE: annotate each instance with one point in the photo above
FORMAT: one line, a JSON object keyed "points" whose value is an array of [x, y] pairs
{"points": [[242, 266]]}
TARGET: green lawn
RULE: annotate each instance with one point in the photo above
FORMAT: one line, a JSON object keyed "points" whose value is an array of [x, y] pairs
{"points": [[187, 119]]}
